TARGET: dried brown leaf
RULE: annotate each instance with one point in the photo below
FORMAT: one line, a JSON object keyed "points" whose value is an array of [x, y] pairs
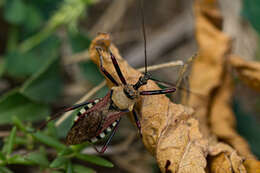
{"points": [[248, 71], [169, 131], [210, 77], [206, 74], [222, 119], [221, 152], [252, 166], [220, 164]]}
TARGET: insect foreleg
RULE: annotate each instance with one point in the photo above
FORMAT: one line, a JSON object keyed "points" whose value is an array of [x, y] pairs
{"points": [[58, 114], [156, 92], [104, 70], [118, 70], [103, 149]]}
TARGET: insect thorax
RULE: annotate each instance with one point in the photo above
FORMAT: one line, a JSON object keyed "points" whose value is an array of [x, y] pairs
{"points": [[124, 97]]}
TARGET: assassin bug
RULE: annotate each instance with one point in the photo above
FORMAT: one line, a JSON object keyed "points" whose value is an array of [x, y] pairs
{"points": [[101, 117]]}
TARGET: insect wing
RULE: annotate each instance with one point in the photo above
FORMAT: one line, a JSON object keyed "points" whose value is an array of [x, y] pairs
{"points": [[88, 121], [111, 120]]}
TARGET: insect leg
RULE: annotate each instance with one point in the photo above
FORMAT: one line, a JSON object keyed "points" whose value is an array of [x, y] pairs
{"points": [[156, 92], [108, 139], [138, 124], [58, 114], [118, 70], [104, 70]]}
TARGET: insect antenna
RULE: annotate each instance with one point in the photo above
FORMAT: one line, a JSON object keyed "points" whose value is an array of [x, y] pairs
{"points": [[143, 79], [144, 34]]}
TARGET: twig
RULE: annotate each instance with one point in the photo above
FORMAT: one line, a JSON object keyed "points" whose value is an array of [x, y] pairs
{"points": [[102, 84], [76, 58], [7, 133], [160, 66]]}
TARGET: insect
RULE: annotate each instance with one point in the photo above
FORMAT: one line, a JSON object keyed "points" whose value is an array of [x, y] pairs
{"points": [[99, 118]]}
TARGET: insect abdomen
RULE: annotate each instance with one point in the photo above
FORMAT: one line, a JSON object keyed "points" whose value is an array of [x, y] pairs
{"points": [[83, 110], [104, 133]]}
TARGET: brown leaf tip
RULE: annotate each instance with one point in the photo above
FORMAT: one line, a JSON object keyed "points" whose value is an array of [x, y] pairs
{"points": [[103, 39]]}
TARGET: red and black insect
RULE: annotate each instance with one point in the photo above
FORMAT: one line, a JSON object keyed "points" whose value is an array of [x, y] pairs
{"points": [[99, 118]]}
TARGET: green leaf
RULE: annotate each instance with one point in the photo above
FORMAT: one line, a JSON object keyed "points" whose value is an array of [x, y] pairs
{"points": [[50, 141], [79, 147], [2, 67], [15, 11], [56, 172], [21, 141], [65, 126], [68, 14], [38, 158], [18, 159], [251, 11], [21, 65], [78, 41], [34, 18], [14, 104], [5, 170], [94, 159], [58, 162], [91, 72], [18, 123], [51, 129], [102, 92], [9, 143], [69, 168], [46, 7], [11, 140], [82, 169], [2, 156], [13, 38], [44, 86], [66, 151]]}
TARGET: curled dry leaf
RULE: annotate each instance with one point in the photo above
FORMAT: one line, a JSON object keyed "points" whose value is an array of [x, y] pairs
{"points": [[248, 71], [206, 74], [210, 77], [252, 166], [222, 119], [169, 131], [221, 152]]}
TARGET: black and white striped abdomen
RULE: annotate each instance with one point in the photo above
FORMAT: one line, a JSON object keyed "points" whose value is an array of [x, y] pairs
{"points": [[85, 108], [104, 133]]}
